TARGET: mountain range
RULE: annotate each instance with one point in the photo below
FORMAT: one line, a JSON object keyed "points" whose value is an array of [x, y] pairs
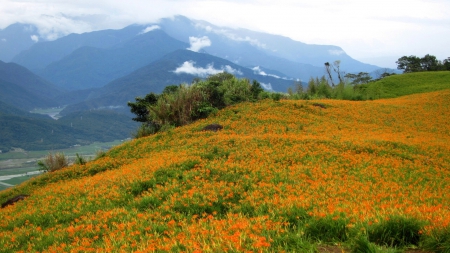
{"points": [[103, 70]]}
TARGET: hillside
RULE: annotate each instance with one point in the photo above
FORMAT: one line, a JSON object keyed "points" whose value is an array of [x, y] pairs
{"points": [[279, 176], [411, 83]]}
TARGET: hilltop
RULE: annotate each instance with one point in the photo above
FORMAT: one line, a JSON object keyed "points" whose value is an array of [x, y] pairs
{"points": [[287, 175]]}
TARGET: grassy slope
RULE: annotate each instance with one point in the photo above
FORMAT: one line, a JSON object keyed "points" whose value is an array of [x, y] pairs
{"points": [[252, 186], [412, 83]]}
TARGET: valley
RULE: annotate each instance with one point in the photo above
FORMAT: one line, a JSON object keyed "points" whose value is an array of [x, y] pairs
{"points": [[18, 166]]}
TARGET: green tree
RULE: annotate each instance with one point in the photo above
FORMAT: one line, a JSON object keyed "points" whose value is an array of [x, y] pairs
{"points": [[360, 78], [409, 64], [140, 107], [429, 63], [446, 64], [256, 89]]}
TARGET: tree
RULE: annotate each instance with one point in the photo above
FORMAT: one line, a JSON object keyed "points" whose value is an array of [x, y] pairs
{"points": [[255, 89], [140, 107], [429, 63], [446, 64], [360, 78], [409, 64], [335, 67]]}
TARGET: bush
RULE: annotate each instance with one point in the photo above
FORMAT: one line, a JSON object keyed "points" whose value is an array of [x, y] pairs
{"points": [[79, 160], [397, 231], [145, 129], [53, 162], [327, 229]]}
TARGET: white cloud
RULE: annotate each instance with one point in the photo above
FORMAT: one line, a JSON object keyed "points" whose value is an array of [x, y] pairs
{"points": [[258, 71], [150, 28], [267, 86], [388, 31], [34, 38], [188, 68], [4, 40], [199, 43], [230, 35]]}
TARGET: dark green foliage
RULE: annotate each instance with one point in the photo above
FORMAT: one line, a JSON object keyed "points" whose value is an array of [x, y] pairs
{"points": [[179, 105], [327, 229], [139, 108], [170, 89], [256, 89], [276, 96], [427, 63], [397, 231], [146, 129], [360, 78]]}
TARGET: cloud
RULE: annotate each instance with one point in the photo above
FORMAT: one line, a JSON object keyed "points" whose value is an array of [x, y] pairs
{"points": [[336, 52], [4, 40], [188, 68], [267, 86], [230, 35], [34, 38], [258, 71], [199, 43], [150, 28]]}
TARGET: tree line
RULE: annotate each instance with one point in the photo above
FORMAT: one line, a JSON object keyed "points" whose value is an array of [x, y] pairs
{"points": [[427, 63]]}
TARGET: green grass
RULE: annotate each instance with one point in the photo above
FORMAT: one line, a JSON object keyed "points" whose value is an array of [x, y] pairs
{"points": [[410, 83]]}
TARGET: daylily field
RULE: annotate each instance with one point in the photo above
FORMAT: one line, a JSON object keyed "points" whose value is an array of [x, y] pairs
{"points": [[255, 186]]}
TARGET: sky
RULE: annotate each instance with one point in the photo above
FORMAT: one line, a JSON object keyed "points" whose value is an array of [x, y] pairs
{"points": [[376, 32]]}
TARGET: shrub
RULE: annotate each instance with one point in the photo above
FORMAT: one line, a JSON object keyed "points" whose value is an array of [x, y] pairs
{"points": [[53, 162], [145, 129], [79, 160], [327, 229], [396, 231]]}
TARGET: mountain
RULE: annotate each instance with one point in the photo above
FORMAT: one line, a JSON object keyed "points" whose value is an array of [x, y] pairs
{"points": [[42, 54], [25, 90], [16, 38], [92, 59], [91, 67], [7, 109], [157, 75], [249, 48]]}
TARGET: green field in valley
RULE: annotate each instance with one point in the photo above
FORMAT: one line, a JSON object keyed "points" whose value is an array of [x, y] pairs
{"points": [[20, 165]]}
